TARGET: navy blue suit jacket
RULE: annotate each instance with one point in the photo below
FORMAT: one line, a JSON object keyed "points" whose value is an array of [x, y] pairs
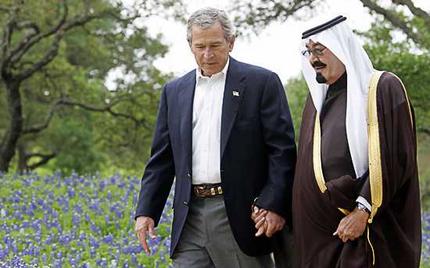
{"points": [[258, 153]]}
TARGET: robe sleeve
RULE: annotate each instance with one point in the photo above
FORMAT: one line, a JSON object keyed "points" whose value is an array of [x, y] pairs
{"points": [[397, 139]]}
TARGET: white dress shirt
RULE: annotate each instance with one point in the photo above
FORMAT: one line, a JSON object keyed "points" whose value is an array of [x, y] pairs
{"points": [[364, 202], [207, 109]]}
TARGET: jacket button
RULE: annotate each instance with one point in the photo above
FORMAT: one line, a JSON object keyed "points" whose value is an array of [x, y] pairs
{"points": [[189, 175], [186, 203]]}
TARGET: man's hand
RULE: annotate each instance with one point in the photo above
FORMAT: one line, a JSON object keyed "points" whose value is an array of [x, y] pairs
{"points": [[258, 215], [352, 226], [267, 222], [145, 227], [275, 223]]}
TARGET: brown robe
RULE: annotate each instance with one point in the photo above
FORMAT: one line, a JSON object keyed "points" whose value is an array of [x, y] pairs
{"points": [[395, 233]]}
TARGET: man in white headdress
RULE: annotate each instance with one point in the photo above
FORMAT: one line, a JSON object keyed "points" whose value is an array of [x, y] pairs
{"points": [[356, 199]]}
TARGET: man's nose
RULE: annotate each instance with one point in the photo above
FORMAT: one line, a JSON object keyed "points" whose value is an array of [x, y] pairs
{"points": [[313, 58], [207, 53]]}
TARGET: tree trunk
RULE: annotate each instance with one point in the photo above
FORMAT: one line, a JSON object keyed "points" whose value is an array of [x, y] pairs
{"points": [[22, 159], [14, 131]]}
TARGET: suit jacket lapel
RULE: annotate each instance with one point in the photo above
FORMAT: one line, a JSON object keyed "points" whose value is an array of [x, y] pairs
{"points": [[233, 92], [186, 96]]}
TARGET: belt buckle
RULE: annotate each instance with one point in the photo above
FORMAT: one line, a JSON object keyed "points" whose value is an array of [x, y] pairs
{"points": [[198, 190], [207, 190]]}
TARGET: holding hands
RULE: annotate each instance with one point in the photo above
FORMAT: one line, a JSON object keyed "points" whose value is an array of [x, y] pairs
{"points": [[266, 222]]}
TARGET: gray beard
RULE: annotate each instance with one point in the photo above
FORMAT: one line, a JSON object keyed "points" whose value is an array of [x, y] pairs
{"points": [[320, 78]]}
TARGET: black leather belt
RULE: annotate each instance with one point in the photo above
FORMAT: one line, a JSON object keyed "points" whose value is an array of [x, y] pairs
{"points": [[207, 190]]}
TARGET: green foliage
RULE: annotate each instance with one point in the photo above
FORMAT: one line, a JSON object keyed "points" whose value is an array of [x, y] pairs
{"points": [[74, 139], [254, 15], [404, 16], [424, 171], [407, 62], [297, 92], [91, 126], [407, 16]]}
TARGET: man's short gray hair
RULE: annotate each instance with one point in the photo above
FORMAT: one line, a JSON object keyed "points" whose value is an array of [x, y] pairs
{"points": [[207, 17]]}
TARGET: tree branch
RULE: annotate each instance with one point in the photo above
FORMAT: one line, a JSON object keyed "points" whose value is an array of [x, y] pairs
{"points": [[6, 39], [58, 31], [393, 18], [28, 25], [258, 14], [44, 159], [47, 58], [108, 109], [38, 128], [415, 10], [31, 39]]}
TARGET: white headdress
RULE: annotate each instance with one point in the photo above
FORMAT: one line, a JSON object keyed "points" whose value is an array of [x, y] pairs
{"points": [[340, 40]]}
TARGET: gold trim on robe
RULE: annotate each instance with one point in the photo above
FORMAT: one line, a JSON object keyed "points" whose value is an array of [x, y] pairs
{"points": [[319, 176], [375, 166], [374, 148]]}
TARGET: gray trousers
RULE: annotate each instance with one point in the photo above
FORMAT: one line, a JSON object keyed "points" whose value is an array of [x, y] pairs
{"points": [[207, 240]]}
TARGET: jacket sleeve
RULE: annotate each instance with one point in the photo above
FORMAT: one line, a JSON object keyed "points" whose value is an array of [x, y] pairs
{"points": [[279, 141], [159, 171]]}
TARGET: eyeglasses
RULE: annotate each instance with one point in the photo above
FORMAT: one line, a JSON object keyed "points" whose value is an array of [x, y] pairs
{"points": [[318, 51]]}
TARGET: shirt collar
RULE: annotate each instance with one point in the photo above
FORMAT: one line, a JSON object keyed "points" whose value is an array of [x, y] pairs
{"points": [[223, 72]]}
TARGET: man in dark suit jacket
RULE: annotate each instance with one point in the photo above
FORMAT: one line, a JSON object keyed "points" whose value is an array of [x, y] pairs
{"points": [[224, 131]]}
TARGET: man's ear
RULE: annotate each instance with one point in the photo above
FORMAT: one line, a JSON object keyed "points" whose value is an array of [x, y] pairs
{"points": [[231, 44]]}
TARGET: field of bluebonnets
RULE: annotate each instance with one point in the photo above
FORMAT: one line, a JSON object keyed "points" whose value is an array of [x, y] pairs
{"points": [[74, 221], [84, 221]]}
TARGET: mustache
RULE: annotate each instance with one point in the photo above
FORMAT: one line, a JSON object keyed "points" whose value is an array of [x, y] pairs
{"points": [[318, 63]]}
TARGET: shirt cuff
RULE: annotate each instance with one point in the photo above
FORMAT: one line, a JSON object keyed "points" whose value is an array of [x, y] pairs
{"points": [[364, 202]]}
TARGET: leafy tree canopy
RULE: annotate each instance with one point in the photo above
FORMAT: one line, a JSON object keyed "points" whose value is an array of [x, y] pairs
{"points": [[56, 58]]}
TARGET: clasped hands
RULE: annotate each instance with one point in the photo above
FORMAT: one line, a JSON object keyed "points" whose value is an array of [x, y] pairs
{"points": [[350, 227], [266, 222]]}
